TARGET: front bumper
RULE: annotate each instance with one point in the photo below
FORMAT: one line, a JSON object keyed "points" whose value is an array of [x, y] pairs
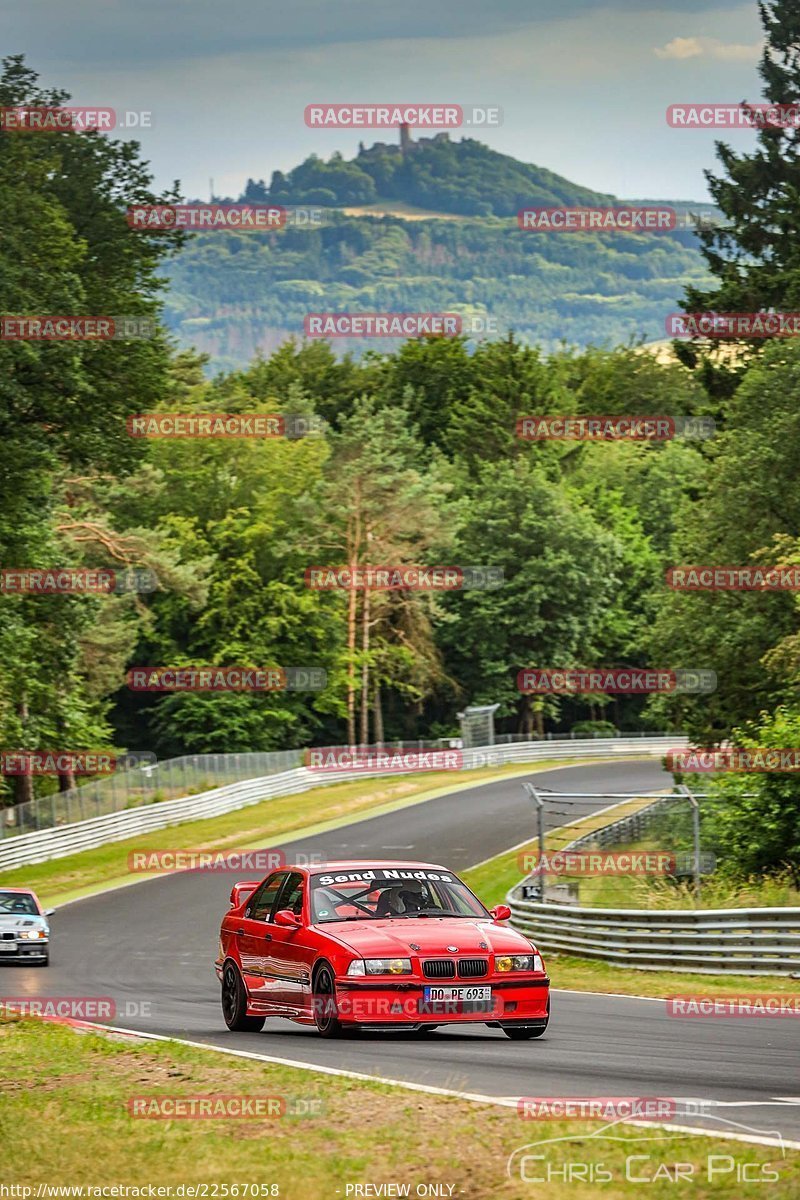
{"points": [[368, 1002], [23, 950]]}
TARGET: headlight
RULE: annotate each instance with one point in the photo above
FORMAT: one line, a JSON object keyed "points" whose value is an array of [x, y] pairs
{"points": [[33, 934], [517, 962], [380, 966], [388, 966]]}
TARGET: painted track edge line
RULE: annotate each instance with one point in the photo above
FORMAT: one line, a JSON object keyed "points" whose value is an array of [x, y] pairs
{"points": [[614, 995], [430, 1089]]}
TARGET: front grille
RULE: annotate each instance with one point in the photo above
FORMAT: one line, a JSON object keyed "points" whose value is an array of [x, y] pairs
{"points": [[8, 937], [473, 968], [438, 968]]}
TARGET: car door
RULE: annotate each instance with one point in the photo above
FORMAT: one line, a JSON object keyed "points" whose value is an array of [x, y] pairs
{"points": [[293, 954], [254, 935]]}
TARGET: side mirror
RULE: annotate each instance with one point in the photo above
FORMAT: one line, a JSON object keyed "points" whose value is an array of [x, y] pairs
{"points": [[240, 892], [500, 912], [285, 917], [48, 912]]}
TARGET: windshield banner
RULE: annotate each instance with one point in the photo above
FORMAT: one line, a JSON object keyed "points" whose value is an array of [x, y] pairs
{"points": [[381, 875]]}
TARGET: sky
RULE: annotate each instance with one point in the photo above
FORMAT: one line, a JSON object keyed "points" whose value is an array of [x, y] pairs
{"points": [[583, 85]]}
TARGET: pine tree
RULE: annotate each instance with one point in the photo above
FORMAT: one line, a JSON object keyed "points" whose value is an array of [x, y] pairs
{"points": [[756, 258]]}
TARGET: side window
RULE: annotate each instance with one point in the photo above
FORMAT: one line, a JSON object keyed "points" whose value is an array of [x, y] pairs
{"points": [[291, 895], [262, 900]]}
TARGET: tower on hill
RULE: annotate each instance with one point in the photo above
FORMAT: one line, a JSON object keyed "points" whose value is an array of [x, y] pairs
{"points": [[405, 138]]}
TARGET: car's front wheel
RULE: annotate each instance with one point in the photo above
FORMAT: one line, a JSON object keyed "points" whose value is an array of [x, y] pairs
{"points": [[520, 1033], [234, 1003], [326, 1014]]}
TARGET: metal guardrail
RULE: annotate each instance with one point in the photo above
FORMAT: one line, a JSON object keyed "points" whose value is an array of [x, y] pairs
{"points": [[45, 844], [744, 941]]}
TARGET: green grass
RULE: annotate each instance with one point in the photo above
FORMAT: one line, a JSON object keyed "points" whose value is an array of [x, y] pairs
{"points": [[65, 1120], [587, 975], [659, 892]]}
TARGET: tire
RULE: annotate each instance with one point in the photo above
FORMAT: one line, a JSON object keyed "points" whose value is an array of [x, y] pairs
{"points": [[325, 1013], [521, 1033], [234, 1003]]}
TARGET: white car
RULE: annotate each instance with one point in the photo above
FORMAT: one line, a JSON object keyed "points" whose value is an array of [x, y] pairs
{"points": [[24, 931]]}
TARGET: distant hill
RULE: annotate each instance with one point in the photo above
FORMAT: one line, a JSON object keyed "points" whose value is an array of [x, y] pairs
{"points": [[465, 177], [232, 294]]}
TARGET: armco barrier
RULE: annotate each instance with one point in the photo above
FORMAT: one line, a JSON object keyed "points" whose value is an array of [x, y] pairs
{"points": [[744, 941], [45, 844]]}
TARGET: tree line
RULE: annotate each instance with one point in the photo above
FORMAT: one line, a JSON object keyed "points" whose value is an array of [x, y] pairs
{"points": [[419, 463]]}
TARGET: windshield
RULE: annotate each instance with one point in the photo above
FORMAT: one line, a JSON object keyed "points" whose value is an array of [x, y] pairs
{"points": [[383, 894], [18, 903]]}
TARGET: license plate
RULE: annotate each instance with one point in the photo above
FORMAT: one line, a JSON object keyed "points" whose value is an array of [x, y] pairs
{"points": [[8, 947], [455, 995]]}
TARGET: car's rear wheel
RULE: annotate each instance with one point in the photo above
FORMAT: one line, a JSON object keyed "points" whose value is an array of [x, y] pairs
{"points": [[234, 1003], [325, 1011]]}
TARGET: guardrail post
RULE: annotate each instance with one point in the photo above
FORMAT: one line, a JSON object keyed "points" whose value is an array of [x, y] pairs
{"points": [[695, 837], [539, 802]]}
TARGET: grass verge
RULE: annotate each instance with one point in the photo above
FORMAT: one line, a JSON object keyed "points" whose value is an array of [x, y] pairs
{"points": [[75, 1090], [588, 975], [658, 892]]}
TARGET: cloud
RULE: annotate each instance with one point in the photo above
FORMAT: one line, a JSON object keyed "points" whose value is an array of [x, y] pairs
{"points": [[706, 47], [737, 53], [118, 33], [681, 48]]}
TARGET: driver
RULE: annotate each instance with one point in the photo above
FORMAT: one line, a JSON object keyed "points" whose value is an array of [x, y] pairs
{"points": [[415, 896]]}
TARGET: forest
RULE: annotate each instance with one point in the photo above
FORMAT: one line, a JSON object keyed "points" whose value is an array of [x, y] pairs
{"points": [[411, 458]]}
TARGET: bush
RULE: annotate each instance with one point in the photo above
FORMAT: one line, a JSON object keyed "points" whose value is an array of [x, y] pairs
{"points": [[752, 819], [590, 728]]}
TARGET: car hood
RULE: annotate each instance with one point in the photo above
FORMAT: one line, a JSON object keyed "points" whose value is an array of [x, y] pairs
{"points": [[12, 921], [394, 937]]}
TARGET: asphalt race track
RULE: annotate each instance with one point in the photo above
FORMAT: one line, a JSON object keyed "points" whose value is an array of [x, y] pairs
{"points": [[151, 948]]}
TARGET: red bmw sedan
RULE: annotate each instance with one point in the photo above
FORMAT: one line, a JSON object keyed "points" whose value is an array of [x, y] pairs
{"points": [[376, 945]]}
